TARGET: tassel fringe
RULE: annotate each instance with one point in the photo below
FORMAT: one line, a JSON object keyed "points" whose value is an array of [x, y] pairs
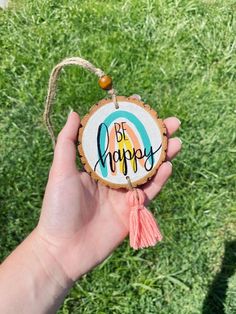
{"points": [[144, 231]]}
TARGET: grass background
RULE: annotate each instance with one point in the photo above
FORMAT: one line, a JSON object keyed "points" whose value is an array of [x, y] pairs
{"points": [[180, 56]]}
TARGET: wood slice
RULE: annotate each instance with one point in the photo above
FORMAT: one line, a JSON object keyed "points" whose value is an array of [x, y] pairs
{"points": [[120, 144]]}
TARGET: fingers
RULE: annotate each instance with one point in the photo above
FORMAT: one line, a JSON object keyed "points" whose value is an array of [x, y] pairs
{"points": [[65, 150], [153, 187], [172, 124], [70, 130], [174, 144], [174, 147]]}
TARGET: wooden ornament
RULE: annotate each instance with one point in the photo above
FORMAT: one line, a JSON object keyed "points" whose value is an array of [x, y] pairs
{"points": [[124, 146]]}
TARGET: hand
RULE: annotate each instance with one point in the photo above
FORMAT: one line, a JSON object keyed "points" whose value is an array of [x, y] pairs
{"points": [[82, 221]]}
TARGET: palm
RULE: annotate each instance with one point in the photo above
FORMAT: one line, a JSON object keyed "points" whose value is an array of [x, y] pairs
{"points": [[74, 224], [81, 217]]}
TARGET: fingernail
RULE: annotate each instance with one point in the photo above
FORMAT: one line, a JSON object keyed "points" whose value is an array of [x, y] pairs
{"points": [[179, 140], [71, 110], [179, 121], [136, 96], [168, 162]]}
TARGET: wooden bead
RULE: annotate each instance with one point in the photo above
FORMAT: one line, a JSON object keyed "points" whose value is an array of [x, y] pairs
{"points": [[105, 82]]}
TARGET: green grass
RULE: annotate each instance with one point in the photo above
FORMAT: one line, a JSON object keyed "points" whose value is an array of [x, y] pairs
{"points": [[180, 56]]}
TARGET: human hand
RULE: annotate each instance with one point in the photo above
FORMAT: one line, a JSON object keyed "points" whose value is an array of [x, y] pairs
{"points": [[82, 221]]}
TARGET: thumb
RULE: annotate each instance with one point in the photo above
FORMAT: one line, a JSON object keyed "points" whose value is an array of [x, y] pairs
{"points": [[65, 150]]}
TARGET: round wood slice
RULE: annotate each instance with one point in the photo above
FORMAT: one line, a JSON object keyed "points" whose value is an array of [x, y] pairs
{"points": [[118, 145]]}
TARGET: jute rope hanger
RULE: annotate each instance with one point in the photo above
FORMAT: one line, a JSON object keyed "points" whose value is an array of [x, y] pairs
{"points": [[52, 85]]}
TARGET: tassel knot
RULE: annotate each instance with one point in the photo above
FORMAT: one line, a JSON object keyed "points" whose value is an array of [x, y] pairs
{"points": [[144, 231]]}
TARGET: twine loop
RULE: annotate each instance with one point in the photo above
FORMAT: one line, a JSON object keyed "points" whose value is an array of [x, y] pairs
{"points": [[52, 85], [112, 92]]}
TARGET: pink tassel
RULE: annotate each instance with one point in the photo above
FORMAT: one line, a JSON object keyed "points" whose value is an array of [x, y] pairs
{"points": [[144, 231]]}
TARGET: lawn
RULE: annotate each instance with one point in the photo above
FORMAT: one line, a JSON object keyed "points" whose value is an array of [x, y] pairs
{"points": [[181, 57]]}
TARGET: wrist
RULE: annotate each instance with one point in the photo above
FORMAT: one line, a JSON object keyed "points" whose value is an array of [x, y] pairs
{"points": [[48, 263], [41, 283]]}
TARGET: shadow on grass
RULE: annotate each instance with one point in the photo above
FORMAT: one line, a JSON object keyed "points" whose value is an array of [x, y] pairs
{"points": [[214, 301]]}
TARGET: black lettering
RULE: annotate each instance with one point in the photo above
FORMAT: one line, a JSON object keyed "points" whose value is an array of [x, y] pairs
{"points": [[123, 130], [124, 155], [118, 132]]}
